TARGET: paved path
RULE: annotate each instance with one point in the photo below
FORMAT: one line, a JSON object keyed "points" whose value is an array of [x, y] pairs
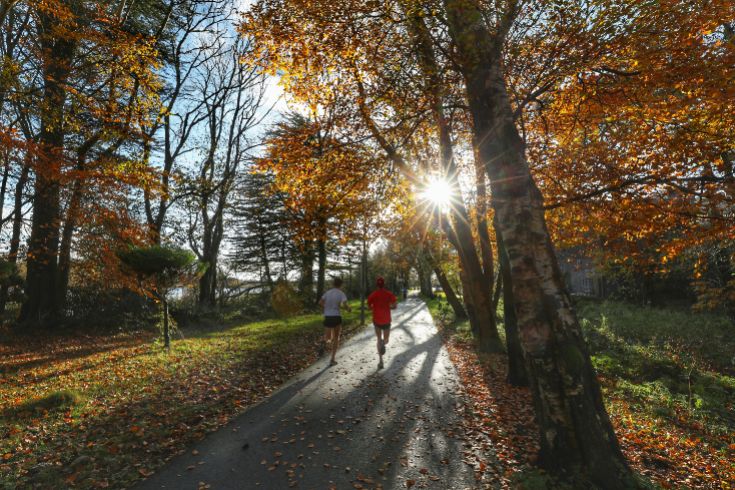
{"points": [[349, 426]]}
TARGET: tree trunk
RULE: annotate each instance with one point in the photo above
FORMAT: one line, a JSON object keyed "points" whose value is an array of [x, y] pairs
{"points": [[486, 247], [517, 374], [423, 270], [41, 304], [498, 291], [211, 242], [321, 244], [67, 236], [476, 293], [576, 433], [208, 282], [479, 305], [17, 227], [306, 281], [166, 328], [4, 187], [363, 281], [266, 263], [452, 298]]}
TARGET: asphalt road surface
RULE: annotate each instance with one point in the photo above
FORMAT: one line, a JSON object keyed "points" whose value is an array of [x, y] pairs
{"points": [[348, 426]]}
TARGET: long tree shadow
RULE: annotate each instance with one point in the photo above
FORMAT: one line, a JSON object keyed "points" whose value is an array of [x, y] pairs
{"points": [[421, 433], [158, 424], [11, 361], [385, 425]]}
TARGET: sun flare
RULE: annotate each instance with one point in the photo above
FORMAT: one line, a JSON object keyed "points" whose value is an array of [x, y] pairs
{"points": [[438, 192]]}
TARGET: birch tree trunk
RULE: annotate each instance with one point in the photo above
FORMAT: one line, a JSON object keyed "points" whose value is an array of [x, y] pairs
{"points": [[577, 437]]}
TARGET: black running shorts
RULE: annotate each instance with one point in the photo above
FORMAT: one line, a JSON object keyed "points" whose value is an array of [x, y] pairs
{"points": [[385, 326], [332, 321]]}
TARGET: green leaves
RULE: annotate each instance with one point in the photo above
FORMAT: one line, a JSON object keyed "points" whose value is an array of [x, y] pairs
{"points": [[166, 265], [156, 259]]}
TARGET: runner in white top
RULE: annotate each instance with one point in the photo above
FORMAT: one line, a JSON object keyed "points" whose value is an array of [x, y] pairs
{"points": [[331, 302], [333, 299]]}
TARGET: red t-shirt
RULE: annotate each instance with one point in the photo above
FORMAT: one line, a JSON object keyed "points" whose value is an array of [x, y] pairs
{"points": [[379, 301]]}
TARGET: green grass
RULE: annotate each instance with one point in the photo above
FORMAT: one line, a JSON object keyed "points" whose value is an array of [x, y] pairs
{"points": [[444, 316], [667, 363], [123, 405]]}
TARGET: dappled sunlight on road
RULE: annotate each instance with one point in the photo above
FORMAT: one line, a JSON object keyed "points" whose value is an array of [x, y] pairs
{"points": [[351, 424]]}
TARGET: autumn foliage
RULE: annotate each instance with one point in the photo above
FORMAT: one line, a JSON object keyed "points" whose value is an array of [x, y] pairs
{"points": [[602, 128]]}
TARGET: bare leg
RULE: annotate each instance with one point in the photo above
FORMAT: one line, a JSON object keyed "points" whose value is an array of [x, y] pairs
{"points": [[323, 342], [386, 336], [381, 346], [335, 340]]}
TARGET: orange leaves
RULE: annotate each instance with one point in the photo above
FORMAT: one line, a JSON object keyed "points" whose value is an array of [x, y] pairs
{"points": [[676, 454], [324, 181], [671, 456], [499, 418], [632, 142]]}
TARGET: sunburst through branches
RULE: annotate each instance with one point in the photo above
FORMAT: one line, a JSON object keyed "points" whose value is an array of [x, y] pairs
{"points": [[437, 194]]}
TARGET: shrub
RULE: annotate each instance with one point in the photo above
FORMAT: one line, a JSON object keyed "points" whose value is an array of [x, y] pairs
{"points": [[160, 268]]}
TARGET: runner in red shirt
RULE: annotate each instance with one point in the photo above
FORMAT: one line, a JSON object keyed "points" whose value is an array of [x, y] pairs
{"points": [[381, 301]]}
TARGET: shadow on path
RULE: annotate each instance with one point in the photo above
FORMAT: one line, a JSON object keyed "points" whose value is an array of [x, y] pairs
{"points": [[345, 425]]}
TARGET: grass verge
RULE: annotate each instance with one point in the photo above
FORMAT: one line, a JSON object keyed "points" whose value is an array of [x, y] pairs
{"points": [[105, 411]]}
